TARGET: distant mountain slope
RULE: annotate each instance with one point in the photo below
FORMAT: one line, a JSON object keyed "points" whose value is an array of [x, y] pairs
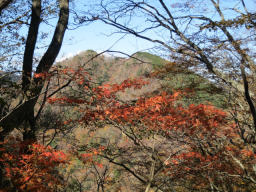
{"points": [[107, 69], [112, 69]]}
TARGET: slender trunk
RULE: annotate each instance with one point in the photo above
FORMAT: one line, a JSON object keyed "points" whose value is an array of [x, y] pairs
{"points": [[152, 170], [54, 48], [247, 96], [30, 44]]}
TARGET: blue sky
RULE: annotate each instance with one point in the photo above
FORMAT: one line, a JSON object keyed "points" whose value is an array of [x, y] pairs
{"points": [[98, 36]]}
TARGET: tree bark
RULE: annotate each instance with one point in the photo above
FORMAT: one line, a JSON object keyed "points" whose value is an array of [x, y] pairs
{"points": [[247, 96], [54, 48], [30, 44]]}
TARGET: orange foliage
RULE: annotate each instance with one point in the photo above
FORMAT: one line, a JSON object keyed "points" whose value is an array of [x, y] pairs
{"points": [[33, 167], [205, 131]]}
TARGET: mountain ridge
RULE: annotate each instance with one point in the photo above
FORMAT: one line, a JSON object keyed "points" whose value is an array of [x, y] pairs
{"points": [[111, 70]]}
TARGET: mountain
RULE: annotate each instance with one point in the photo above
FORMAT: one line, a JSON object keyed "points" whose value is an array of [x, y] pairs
{"points": [[111, 69]]}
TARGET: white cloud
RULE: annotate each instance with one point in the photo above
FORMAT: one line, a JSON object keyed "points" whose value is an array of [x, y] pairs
{"points": [[67, 56]]}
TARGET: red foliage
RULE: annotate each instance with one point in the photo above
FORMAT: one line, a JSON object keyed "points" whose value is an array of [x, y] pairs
{"points": [[44, 75], [205, 131], [91, 156], [33, 167]]}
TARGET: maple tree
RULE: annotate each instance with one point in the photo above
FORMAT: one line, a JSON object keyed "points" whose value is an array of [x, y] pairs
{"points": [[196, 146], [167, 144], [217, 46]]}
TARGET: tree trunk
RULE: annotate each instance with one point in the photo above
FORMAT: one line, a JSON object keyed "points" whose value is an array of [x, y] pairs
{"points": [[30, 45]]}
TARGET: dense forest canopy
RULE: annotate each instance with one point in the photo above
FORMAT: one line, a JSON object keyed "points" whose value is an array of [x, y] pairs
{"points": [[181, 119]]}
